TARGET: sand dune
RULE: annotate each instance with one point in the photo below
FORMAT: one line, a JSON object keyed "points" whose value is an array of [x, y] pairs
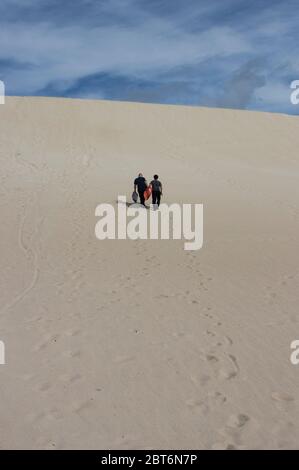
{"points": [[140, 344]]}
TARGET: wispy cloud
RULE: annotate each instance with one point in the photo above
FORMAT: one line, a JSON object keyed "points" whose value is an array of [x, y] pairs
{"points": [[230, 53]]}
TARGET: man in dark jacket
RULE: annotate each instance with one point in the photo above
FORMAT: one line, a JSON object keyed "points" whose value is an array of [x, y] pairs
{"points": [[141, 185]]}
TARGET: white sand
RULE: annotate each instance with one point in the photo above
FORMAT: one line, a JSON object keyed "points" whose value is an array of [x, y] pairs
{"points": [[123, 344]]}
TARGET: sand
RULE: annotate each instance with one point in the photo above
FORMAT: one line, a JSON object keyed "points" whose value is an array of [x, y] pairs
{"points": [[122, 344]]}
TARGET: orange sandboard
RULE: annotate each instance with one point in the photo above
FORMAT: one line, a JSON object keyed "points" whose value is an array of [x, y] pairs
{"points": [[147, 193]]}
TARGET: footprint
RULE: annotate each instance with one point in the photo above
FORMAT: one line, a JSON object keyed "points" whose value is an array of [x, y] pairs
{"points": [[222, 446], [49, 445], [208, 316], [197, 404], [210, 333], [211, 358], [45, 344], [218, 398], [229, 340], [227, 375], [231, 447], [237, 421], [234, 361]]}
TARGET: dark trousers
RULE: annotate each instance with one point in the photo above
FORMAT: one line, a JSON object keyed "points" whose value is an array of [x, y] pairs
{"points": [[141, 196], [156, 197]]}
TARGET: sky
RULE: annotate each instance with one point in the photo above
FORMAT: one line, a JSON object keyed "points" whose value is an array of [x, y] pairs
{"points": [[240, 54]]}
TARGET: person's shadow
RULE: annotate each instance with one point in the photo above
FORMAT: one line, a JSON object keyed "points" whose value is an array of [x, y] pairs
{"points": [[133, 204]]}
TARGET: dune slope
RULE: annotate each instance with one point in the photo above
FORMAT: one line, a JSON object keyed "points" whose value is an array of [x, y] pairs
{"points": [[140, 344]]}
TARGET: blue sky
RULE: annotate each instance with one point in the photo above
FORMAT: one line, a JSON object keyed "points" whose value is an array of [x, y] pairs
{"points": [[224, 53]]}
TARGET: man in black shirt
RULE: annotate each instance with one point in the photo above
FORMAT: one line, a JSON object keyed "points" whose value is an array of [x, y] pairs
{"points": [[156, 190], [141, 185]]}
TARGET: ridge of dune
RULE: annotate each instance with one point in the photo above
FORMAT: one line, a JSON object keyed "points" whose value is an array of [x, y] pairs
{"points": [[140, 344], [61, 99]]}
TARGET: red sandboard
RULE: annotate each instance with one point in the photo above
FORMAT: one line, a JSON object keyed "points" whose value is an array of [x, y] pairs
{"points": [[147, 193]]}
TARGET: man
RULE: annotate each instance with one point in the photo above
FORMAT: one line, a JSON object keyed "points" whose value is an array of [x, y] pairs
{"points": [[156, 190], [141, 185]]}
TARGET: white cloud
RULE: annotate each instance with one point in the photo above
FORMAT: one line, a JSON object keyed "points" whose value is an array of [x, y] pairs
{"points": [[73, 52], [128, 38], [274, 94]]}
